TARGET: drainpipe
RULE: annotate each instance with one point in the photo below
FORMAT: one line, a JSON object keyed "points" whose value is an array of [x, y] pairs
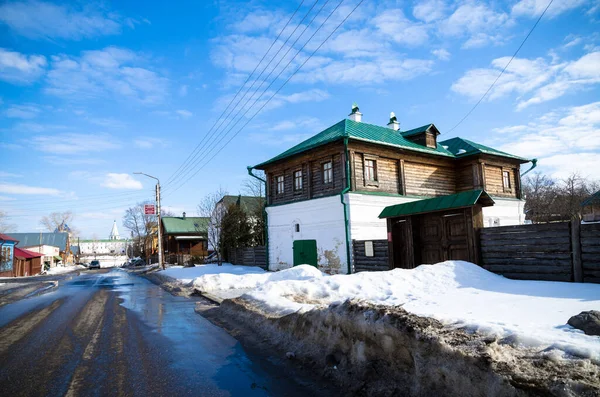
{"points": [[342, 193], [265, 215], [533, 165]]}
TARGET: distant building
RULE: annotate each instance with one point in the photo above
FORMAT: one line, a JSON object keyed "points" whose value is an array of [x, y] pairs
{"points": [[114, 245], [59, 239], [590, 208], [50, 254], [185, 235]]}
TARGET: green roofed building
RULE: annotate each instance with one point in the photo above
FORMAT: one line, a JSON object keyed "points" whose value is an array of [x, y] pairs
{"points": [[324, 195], [185, 235]]}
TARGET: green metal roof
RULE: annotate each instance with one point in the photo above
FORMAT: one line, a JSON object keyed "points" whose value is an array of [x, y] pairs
{"points": [[189, 225], [458, 200], [460, 148], [385, 136], [593, 199], [361, 132]]}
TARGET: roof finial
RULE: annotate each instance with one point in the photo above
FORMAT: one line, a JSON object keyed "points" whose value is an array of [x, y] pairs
{"points": [[393, 123], [354, 107], [355, 115]]}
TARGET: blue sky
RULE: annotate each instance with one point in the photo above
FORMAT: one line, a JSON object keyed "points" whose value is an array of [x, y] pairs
{"points": [[91, 93]]}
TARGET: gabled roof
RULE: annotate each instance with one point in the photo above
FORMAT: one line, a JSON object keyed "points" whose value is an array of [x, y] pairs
{"points": [[248, 203], [361, 132], [451, 201], [593, 199], [420, 130], [187, 225], [25, 254], [365, 132], [5, 237], [460, 148], [54, 239]]}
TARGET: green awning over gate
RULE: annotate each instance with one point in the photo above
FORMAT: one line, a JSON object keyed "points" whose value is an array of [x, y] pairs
{"points": [[458, 200]]}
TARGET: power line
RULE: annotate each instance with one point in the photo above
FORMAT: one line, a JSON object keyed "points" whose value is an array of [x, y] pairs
{"points": [[215, 143], [503, 70], [194, 152], [279, 89]]}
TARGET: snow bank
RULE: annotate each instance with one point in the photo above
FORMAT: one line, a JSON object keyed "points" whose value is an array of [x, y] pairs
{"points": [[66, 269], [461, 294], [188, 274]]}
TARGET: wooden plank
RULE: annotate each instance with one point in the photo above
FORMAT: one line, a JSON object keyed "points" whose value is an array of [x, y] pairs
{"points": [[590, 241], [536, 248], [527, 241], [576, 247], [486, 235], [591, 265], [590, 257], [541, 277], [527, 261], [591, 279], [528, 228], [529, 269], [529, 255]]}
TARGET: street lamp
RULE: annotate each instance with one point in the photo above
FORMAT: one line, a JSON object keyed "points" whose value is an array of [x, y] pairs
{"points": [[160, 254]]}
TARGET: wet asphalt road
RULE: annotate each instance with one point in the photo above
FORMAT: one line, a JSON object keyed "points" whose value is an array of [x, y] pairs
{"points": [[112, 333]]}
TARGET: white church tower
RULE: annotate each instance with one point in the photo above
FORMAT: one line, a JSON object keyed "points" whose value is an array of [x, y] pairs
{"points": [[114, 233]]}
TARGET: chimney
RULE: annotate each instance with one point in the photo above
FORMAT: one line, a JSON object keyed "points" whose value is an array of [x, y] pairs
{"points": [[355, 115], [393, 124], [184, 215]]}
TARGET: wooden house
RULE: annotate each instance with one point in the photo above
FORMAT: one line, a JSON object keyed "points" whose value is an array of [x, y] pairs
{"points": [[7, 255], [590, 208], [27, 263], [185, 235], [330, 189], [56, 239]]}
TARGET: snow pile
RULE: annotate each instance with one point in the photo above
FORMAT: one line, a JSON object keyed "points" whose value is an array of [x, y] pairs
{"points": [[224, 281], [187, 274], [532, 313], [65, 269]]}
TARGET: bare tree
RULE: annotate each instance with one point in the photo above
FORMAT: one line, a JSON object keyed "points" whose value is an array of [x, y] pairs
{"points": [[141, 227], [6, 227], [208, 208], [551, 200], [60, 222], [254, 187]]}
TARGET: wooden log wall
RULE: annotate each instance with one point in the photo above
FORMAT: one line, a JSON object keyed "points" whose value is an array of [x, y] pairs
{"points": [[249, 256], [494, 181], [378, 262], [429, 180], [528, 252], [590, 252]]}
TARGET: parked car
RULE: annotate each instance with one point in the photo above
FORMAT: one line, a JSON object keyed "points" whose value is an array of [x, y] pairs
{"points": [[94, 265]]}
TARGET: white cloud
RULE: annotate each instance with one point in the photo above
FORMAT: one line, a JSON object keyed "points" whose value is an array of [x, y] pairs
{"points": [[121, 181], [533, 8], [38, 19], [112, 72], [148, 142], [430, 10], [441, 54], [477, 21], [4, 174], [308, 123], [534, 80], [395, 25], [72, 143], [22, 112], [184, 113], [11, 188], [564, 140], [21, 68]]}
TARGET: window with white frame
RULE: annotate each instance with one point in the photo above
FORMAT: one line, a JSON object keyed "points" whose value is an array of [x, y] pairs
{"points": [[298, 180], [506, 179], [279, 188], [327, 172], [370, 170]]}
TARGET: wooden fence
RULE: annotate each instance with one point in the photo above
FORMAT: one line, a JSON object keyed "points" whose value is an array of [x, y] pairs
{"points": [[561, 251], [377, 262], [590, 252], [248, 256]]}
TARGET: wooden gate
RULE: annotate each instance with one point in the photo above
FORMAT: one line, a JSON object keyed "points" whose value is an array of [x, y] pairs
{"points": [[443, 236]]}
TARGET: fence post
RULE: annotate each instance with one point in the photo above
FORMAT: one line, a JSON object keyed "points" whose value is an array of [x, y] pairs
{"points": [[576, 247]]}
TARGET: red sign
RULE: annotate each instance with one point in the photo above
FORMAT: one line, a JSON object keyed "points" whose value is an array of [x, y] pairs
{"points": [[149, 209]]}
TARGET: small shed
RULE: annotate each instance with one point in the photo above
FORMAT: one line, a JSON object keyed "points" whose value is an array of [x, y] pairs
{"points": [[27, 263], [590, 208], [434, 230]]}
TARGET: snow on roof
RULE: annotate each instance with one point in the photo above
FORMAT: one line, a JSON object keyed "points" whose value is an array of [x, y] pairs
{"points": [[533, 313]]}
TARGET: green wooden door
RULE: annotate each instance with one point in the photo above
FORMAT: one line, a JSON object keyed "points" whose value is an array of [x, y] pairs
{"points": [[305, 252]]}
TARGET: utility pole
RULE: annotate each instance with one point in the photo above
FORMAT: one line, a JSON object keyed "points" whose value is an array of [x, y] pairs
{"points": [[160, 251]]}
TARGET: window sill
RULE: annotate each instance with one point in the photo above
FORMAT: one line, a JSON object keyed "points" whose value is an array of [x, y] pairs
{"points": [[372, 183]]}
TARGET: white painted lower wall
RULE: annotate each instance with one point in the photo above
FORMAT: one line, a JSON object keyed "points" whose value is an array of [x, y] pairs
{"points": [[364, 215], [319, 219], [504, 212]]}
